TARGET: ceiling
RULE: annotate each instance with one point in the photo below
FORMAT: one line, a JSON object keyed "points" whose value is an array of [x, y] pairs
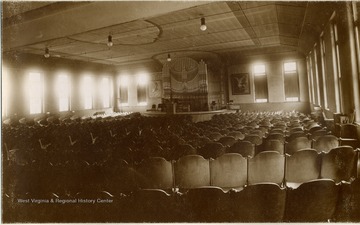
{"points": [[149, 31]]}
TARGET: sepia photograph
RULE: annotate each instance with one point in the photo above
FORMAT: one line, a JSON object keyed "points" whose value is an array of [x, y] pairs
{"points": [[180, 111]]}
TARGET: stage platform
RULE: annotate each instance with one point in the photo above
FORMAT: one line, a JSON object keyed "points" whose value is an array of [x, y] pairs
{"points": [[196, 116]]}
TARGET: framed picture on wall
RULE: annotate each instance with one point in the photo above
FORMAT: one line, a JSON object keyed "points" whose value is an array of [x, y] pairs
{"points": [[155, 89], [240, 84]]}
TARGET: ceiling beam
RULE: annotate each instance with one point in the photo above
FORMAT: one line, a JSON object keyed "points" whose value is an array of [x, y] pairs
{"points": [[240, 16]]}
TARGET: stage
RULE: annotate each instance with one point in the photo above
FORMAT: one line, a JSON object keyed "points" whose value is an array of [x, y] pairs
{"points": [[196, 116]]}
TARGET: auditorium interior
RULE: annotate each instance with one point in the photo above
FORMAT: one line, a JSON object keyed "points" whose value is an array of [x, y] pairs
{"points": [[180, 111]]}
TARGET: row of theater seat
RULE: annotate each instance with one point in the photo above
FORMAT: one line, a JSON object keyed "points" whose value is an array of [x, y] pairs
{"points": [[212, 149], [92, 127], [229, 171], [247, 145], [232, 171], [251, 145], [320, 200]]}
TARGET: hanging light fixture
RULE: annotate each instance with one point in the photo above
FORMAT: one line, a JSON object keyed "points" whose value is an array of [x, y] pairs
{"points": [[203, 26], [47, 54], [168, 58], [110, 43]]}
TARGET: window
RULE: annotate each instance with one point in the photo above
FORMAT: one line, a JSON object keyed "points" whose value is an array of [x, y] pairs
{"points": [[312, 81], [35, 92], [260, 83], [142, 81], [5, 93], [259, 70], [356, 15], [291, 82], [316, 81], [336, 65], [105, 92], [124, 83], [323, 66], [308, 67], [63, 92], [87, 92], [290, 67], [356, 9]]}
